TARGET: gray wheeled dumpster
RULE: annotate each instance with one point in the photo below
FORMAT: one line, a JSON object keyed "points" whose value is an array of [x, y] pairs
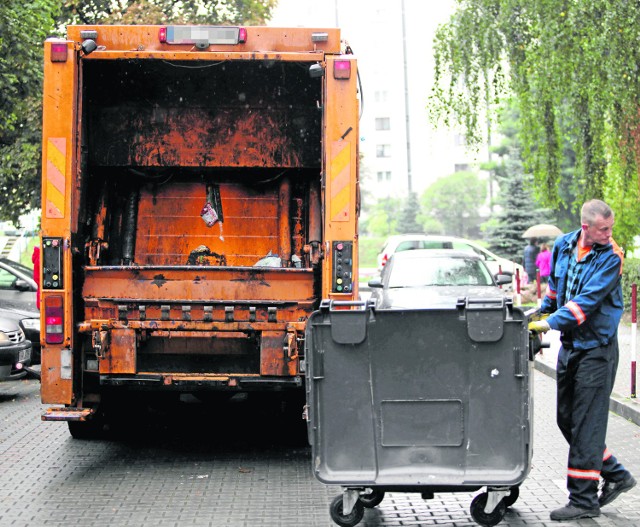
{"points": [[427, 401]]}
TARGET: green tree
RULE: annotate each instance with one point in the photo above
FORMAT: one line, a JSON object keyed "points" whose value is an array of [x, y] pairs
{"points": [[519, 208], [382, 218], [574, 70], [455, 201], [518, 211], [23, 28], [408, 217], [249, 12]]}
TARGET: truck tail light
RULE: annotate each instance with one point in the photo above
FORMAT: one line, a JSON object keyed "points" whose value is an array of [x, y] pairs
{"points": [[242, 35], [59, 52], [54, 319], [162, 34], [342, 69]]}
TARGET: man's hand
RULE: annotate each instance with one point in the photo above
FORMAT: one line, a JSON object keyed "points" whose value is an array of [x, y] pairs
{"points": [[539, 326]]}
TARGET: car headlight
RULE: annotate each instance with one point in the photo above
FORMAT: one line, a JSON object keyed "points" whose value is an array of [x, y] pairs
{"points": [[3, 337], [31, 323]]}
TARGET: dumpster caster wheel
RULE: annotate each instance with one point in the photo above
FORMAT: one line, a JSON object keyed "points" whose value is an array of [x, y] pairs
{"points": [[372, 499], [513, 497], [346, 520], [483, 518]]}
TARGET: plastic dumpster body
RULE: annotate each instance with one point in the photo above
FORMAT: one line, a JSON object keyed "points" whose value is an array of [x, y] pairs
{"points": [[430, 400]]}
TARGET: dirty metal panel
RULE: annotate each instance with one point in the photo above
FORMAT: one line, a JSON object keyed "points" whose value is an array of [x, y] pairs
{"points": [[272, 356], [55, 389], [200, 284], [195, 137], [166, 213], [119, 354]]}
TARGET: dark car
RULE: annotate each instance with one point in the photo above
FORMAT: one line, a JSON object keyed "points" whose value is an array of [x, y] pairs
{"points": [[18, 289], [15, 350], [29, 322], [431, 278]]}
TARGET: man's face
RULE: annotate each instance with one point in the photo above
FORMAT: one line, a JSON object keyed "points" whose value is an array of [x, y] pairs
{"points": [[599, 232]]}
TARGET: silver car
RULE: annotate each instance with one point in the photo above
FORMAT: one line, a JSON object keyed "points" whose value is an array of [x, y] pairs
{"points": [[15, 350], [431, 278]]}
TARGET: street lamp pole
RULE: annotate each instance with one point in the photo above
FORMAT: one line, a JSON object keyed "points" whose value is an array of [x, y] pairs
{"points": [[406, 99]]}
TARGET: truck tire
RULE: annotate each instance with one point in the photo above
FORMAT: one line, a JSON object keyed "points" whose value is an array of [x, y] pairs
{"points": [[92, 429]]}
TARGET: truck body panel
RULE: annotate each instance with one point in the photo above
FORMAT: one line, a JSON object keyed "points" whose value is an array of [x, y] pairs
{"points": [[199, 200]]}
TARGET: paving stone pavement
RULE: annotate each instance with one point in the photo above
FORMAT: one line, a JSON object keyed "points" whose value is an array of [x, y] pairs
{"points": [[226, 470]]}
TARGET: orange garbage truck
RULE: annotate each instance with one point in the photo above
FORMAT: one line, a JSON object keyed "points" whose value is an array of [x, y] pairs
{"points": [[200, 198]]}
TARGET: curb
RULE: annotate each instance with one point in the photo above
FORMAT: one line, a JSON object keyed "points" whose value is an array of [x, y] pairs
{"points": [[617, 404]]}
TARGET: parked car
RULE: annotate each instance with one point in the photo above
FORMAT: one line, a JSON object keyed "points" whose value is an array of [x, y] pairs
{"points": [[407, 242], [15, 350], [434, 279], [18, 289], [29, 322]]}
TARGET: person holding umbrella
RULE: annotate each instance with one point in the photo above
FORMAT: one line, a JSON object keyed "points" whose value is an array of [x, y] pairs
{"points": [[529, 261]]}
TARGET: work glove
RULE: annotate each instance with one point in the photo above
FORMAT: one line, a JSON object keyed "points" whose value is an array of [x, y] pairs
{"points": [[539, 326]]}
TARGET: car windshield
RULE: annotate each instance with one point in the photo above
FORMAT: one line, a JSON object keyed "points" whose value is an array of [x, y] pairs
{"points": [[418, 272]]}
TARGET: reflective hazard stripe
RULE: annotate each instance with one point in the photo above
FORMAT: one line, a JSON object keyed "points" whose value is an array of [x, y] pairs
{"points": [[55, 177], [607, 454], [551, 294], [583, 474], [576, 311], [340, 176]]}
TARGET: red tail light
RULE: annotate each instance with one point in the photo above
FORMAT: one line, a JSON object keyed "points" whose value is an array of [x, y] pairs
{"points": [[54, 319], [342, 69], [162, 34], [59, 52]]}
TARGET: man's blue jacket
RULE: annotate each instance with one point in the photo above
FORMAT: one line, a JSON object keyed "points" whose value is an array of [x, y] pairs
{"points": [[592, 316]]}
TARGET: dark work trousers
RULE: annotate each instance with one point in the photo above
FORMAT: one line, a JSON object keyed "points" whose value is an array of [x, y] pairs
{"points": [[585, 379]]}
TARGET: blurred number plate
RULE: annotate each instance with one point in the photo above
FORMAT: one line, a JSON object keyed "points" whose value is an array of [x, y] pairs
{"points": [[196, 34]]}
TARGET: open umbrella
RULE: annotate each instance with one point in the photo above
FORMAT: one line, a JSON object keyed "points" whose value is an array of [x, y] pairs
{"points": [[542, 230]]}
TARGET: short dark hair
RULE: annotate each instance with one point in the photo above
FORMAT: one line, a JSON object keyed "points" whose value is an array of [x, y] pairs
{"points": [[594, 208]]}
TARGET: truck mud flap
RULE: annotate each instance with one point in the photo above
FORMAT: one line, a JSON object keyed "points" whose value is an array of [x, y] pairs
{"points": [[432, 397]]}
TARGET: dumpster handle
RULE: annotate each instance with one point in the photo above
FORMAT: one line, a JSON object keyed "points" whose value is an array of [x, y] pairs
{"points": [[328, 304]]}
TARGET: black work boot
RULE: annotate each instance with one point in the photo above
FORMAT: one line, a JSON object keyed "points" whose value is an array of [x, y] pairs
{"points": [[612, 489], [572, 512]]}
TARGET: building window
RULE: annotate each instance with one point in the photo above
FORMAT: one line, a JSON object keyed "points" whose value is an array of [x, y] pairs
{"points": [[461, 167], [460, 140], [383, 150], [383, 176], [381, 95], [383, 123]]}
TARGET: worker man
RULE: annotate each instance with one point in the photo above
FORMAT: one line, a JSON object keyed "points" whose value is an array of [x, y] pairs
{"points": [[584, 302]]}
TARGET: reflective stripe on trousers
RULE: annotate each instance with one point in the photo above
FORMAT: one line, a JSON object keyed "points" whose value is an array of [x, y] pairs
{"points": [[584, 382]]}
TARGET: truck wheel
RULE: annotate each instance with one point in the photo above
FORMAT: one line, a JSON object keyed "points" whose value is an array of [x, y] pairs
{"points": [[348, 520], [483, 518], [512, 497], [92, 429], [372, 499]]}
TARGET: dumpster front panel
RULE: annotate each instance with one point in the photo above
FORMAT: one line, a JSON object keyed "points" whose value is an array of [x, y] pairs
{"points": [[428, 397]]}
